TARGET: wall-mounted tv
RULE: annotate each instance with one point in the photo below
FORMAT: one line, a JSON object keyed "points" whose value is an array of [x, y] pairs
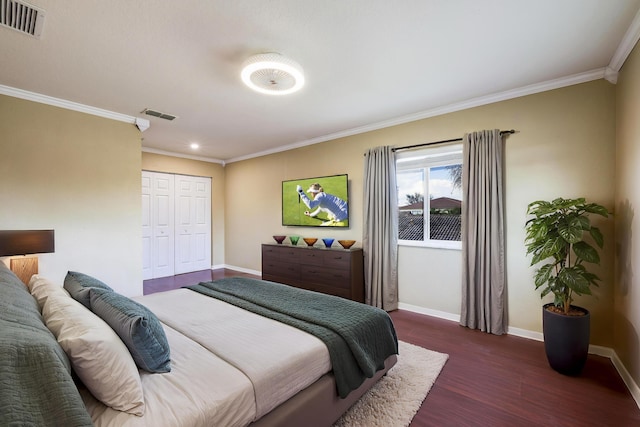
{"points": [[316, 202]]}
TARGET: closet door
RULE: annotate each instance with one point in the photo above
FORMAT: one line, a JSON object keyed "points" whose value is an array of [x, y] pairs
{"points": [[193, 223], [163, 225], [158, 225]]}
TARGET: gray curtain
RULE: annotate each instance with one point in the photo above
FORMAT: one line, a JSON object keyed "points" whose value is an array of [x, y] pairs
{"points": [[484, 291], [380, 241]]}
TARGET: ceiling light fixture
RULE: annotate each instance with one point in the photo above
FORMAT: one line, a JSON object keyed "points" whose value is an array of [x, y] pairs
{"points": [[272, 74], [194, 146]]}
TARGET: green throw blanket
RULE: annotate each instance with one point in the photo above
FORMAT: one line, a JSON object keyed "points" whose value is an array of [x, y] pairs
{"points": [[359, 337]]}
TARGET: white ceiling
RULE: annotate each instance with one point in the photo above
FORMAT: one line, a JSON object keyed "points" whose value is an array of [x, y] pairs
{"points": [[368, 63]]}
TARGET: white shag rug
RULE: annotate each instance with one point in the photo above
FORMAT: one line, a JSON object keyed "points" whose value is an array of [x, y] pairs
{"points": [[396, 398]]}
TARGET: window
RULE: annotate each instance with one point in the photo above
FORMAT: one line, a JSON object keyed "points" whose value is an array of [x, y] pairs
{"points": [[430, 196]]}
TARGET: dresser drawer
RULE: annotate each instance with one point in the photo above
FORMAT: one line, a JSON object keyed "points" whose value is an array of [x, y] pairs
{"points": [[323, 275], [281, 268], [288, 253], [336, 259], [311, 257], [280, 252]]}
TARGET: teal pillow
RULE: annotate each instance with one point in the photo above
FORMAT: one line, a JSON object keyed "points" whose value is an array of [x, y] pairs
{"points": [[79, 284], [137, 327]]}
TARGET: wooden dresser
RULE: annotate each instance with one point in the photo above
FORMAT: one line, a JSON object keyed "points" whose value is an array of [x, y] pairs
{"points": [[333, 271]]}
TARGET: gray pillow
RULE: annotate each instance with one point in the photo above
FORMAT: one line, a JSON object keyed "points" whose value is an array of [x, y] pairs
{"points": [[137, 327], [79, 284]]}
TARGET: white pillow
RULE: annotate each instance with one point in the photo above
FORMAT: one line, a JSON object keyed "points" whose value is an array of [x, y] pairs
{"points": [[40, 288], [97, 354]]}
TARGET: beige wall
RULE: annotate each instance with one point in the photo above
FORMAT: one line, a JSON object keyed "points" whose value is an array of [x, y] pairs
{"points": [[565, 147], [159, 163], [79, 175], [627, 289]]}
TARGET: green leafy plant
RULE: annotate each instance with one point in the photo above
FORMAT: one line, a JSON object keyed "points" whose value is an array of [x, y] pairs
{"points": [[555, 237]]}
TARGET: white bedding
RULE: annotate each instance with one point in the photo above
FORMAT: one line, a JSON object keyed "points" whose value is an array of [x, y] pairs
{"points": [[229, 368], [201, 390], [280, 360]]}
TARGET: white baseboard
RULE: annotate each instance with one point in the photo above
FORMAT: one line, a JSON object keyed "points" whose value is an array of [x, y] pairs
{"points": [[429, 312], [538, 336], [599, 350], [234, 268], [626, 377], [525, 333]]}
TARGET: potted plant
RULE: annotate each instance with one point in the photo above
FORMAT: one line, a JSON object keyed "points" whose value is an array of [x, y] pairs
{"points": [[555, 236]]}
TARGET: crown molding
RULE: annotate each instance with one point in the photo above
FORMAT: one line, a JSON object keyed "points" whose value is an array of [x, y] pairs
{"points": [[438, 111], [63, 103], [627, 44], [610, 73], [183, 156]]}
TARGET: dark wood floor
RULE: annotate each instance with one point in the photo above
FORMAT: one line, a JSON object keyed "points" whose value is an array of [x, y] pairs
{"points": [[493, 380], [173, 282]]}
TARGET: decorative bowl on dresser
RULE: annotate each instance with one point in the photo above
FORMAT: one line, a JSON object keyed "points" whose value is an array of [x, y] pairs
{"points": [[327, 242], [310, 241], [346, 243], [294, 239]]}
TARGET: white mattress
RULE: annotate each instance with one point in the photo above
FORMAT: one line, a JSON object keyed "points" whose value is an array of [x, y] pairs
{"points": [[228, 366]]}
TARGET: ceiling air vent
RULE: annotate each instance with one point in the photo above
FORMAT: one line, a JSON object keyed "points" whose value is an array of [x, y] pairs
{"points": [[21, 16], [158, 114]]}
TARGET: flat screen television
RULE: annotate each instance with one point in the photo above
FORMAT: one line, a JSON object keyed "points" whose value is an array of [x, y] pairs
{"points": [[316, 202]]}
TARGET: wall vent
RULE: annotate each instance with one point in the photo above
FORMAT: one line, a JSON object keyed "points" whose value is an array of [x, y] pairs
{"points": [[21, 16], [154, 113]]}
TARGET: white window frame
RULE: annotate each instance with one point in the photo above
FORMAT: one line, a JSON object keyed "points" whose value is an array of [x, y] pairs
{"points": [[426, 158]]}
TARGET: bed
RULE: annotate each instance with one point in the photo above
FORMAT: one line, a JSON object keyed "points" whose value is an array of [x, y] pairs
{"points": [[229, 357]]}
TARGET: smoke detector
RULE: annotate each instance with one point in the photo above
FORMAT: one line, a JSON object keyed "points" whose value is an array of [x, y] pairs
{"points": [[22, 17], [272, 74]]}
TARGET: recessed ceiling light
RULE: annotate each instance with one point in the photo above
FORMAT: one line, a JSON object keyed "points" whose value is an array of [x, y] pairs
{"points": [[195, 146], [272, 74]]}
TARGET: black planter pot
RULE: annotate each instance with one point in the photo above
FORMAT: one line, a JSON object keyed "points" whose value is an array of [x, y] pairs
{"points": [[566, 340]]}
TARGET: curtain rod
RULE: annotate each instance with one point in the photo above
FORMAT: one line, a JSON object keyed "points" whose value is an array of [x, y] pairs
{"points": [[407, 147]]}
